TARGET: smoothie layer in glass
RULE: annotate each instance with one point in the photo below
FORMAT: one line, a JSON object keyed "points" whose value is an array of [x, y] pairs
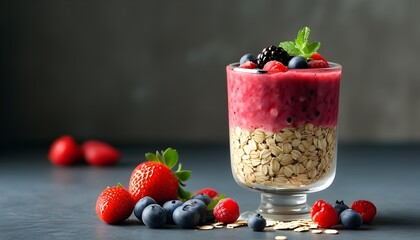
{"points": [[273, 101]]}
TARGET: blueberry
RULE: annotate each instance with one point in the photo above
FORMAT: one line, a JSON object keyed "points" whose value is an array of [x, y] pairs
{"points": [[257, 222], [351, 219], [141, 205], [201, 208], [170, 207], [154, 216], [186, 216], [297, 62], [247, 57], [203, 197], [340, 206]]}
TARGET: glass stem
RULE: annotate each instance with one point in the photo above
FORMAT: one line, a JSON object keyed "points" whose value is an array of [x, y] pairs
{"points": [[284, 206]]}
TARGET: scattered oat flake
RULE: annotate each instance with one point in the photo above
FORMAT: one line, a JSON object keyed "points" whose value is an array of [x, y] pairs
{"points": [[206, 227], [330, 231], [242, 222], [271, 223], [280, 238], [281, 227], [301, 229], [236, 224], [313, 226], [218, 225], [293, 226], [316, 231]]}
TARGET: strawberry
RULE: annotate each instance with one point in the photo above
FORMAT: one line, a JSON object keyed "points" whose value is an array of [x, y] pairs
{"points": [[317, 56], [323, 214], [156, 179], [209, 191], [64, 151], [317, 61], [114, 204], [366, 208], [274, 66], [99, 153]]}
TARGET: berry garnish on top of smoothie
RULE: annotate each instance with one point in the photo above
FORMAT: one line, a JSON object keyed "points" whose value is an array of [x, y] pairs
{"points": [[297, 54]]}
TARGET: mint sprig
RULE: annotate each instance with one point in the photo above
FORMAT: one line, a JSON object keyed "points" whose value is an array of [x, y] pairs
{"points": [[301, 46], [169, 157]]}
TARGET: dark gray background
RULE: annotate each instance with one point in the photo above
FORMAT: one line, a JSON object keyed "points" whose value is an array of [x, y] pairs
{"points": [[135, 72]]}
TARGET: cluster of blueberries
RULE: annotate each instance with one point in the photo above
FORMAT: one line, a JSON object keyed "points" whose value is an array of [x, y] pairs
{"points": [[187, 214], [349, 218]]}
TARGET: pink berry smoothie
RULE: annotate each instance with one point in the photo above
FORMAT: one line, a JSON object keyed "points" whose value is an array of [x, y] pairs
{"points": [[274, 101]]}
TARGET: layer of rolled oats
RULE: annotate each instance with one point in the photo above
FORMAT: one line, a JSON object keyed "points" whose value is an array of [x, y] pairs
{"points": [[291, 158]]}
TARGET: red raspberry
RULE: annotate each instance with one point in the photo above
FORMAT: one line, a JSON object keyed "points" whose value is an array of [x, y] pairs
{"points": [[209, 191], [274, 66], [366, 208], [323, 214], [317, 64], [249, 64], [226, 211]]}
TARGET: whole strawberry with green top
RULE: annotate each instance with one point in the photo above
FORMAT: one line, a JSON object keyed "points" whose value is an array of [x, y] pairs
{"points": [[114, 204], [156, 179]]}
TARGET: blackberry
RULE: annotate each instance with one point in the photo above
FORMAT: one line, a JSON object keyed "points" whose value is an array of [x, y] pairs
{"points": [[272, 53]]}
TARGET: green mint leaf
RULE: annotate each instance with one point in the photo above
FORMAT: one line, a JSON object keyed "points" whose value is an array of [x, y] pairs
{"points": [[301, 46], [183, 175], [151, 157], [302, 38], [287, 46], [313, 47], [215, 201], [170, 157], [290, 48]]}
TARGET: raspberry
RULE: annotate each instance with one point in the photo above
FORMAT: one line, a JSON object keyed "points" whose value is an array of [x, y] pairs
{"points": [[249, 64], [226, 211], [323, 214], [274, 66], [209, 191], [317, 64], [366, 208]]}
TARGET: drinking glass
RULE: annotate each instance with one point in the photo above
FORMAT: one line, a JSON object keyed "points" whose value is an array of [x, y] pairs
{"points": [[283, 135]]}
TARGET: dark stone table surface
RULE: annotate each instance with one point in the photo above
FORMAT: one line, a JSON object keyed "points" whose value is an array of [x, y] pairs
{"points": [[42, 201]]}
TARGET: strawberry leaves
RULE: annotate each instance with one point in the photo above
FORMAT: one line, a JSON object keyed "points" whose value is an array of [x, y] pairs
{"points": [[301, 46], [169, 157]]}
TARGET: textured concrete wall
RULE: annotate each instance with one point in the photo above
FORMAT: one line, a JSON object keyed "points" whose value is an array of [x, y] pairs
{"points": [[140, 71]]}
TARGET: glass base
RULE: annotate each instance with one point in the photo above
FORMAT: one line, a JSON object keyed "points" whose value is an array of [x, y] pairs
{"points": [[281, 207]]}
